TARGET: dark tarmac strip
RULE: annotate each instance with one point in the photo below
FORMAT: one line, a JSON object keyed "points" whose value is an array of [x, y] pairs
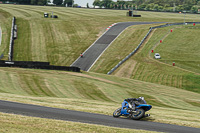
{"points": [[84, 117], [92, 54]]}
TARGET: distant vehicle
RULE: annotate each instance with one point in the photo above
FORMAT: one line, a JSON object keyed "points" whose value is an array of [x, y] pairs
{"points": [[51, 4], [157, 56]]}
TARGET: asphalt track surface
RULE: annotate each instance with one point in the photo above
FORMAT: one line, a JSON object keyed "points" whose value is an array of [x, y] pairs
{"points": [[91, 55], [84, 117]]}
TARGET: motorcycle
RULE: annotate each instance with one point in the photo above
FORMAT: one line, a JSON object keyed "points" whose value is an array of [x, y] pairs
{"points": [[136, 112]]}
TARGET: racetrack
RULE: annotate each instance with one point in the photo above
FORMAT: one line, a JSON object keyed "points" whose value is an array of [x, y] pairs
{"points": [[84, 117], [91, 55]]}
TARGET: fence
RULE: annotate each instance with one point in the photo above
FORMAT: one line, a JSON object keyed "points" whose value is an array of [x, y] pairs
{"points": [[36, 65], [10, 54], [151, 28]]}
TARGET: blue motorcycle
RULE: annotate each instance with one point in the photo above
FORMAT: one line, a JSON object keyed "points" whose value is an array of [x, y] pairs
{"points": [[134, 108]]}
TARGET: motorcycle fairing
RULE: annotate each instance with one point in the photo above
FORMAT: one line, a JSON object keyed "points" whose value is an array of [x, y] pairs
{"points": [[146, 107]]}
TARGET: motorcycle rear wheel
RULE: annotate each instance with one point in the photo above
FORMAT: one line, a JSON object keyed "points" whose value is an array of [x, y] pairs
{"points": [[117, 112], [138, 115]]}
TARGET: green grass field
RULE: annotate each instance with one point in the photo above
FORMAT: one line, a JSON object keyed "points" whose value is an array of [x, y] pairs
{"points": [[60, 41], [182, 47], [5, 24], [24, 124], [173, 91], [97, 93], [143, 67]]}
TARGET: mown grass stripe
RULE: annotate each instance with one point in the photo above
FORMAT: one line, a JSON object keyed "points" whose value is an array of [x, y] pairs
{"points": [[135, 70]]}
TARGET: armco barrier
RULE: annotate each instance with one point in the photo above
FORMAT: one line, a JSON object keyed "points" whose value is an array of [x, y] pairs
{"points": [[10, 53], [132, 53], [36, 65], [151, 28]]}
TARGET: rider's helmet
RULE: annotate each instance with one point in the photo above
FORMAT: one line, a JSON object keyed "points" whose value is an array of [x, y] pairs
{"points": [[142, 98]]}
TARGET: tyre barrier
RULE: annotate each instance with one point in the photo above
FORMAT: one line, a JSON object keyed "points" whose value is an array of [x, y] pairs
{"points": [[36, 65], [151, 28]]}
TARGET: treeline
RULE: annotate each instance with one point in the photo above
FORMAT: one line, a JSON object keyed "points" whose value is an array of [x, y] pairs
{"points": [[38, 2], [149, 5], [152, 5], [27, 2]]}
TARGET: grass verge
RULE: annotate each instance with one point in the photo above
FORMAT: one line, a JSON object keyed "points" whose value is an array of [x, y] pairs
{"points": [[97, 93], [143, 67], [16, 123], [5, 24]]}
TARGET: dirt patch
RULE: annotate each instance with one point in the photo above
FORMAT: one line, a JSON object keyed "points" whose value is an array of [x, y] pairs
{"points": [[127, 69]]}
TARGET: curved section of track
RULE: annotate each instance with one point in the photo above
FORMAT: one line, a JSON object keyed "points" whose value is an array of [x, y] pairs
{"points": [[91, 55], [84, 117]]}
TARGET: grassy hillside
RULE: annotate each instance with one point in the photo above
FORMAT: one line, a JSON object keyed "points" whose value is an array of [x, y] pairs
{"points": [[97, 93], [5, 24], [180, 46], [60, 41]]}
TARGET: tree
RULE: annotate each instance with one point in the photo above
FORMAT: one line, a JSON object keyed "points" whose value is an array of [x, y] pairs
{"points": [[179, 8], [142, 7], [34, 2], [194, 9], [96, 2], [68, 2], [42, 2], [149, 6], [58, 2], [160, 8], [20, 1], [155, 7], [38, 2], [106, 3]]}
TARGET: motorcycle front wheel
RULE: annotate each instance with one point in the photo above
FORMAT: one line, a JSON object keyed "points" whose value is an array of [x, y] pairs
{"points": [[138, 115], [117, 112]]}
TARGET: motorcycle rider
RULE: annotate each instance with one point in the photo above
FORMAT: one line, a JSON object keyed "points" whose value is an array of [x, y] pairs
{"points": [[81, 55], [134, 102], [133, 108]]}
